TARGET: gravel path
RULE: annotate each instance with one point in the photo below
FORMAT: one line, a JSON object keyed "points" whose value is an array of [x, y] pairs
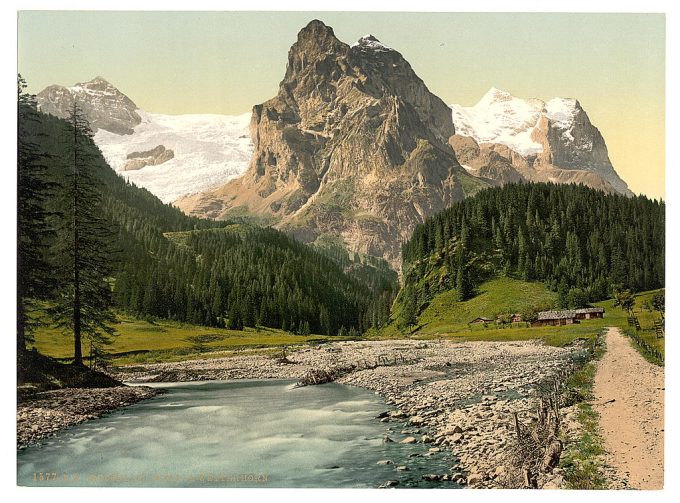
{"points": [[629, 393]]}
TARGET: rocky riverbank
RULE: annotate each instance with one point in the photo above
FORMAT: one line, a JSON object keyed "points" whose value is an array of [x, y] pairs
{"points": [[45, 413], [456, 396]]}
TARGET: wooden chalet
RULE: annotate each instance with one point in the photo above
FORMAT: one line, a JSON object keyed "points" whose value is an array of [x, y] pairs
{"points": [[567, 316], [546, 318], [588, 313]]}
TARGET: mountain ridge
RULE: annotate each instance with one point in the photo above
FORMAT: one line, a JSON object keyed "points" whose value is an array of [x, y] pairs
{"points": [[550, 141], [103, 104], [353, 144]]}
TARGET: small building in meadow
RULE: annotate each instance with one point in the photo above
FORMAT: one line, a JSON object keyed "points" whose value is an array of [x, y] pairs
{"points": [[554, 318], [588, 313], [567, 316], [509, 318]]}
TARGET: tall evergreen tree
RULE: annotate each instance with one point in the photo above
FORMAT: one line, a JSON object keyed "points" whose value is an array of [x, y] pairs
{"points": [[34, 187], [84, 246], [463, 281], [409, 312]]}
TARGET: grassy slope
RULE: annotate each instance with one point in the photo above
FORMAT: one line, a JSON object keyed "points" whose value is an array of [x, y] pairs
{"points": [[446, 315], [447, 318], [168, 340]]}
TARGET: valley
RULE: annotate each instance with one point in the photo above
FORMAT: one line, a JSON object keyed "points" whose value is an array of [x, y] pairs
{"points": [[454, 392], [441, 285]]}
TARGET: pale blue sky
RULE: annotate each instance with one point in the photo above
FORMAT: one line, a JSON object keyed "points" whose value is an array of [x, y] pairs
{"points": [[226, 62]]}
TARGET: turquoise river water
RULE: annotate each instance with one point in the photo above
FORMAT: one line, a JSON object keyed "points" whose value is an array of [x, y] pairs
{"points": [[236, 434]]}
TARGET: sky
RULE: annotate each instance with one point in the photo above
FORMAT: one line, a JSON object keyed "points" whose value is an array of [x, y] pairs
{"points": [[226, 62]]}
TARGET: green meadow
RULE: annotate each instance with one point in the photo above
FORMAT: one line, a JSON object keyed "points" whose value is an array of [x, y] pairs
{"points": [[141, 341], [446, 317]]}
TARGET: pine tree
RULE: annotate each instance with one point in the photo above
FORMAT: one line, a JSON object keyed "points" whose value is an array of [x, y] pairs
{"points": [[235, 320], [409, 312], [463, 281], [324, 321], [34, 272], [84, 245]]}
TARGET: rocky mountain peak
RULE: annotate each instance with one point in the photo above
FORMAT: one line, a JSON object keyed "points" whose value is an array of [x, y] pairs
{"points": [[99, 83], [562, 111], [371, 42], [315, 44], [495, 95], [104, 106], [317, 32], [354, 144]]}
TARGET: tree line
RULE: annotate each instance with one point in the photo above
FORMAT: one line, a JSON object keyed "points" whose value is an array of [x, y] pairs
{"points": [[583, 243]]}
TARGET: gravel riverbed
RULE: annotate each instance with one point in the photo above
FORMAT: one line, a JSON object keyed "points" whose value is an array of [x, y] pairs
{"points": [[47, 412], [456, 396]]}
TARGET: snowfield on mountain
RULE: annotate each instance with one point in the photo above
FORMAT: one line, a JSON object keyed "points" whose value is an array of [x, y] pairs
{"points": [[209, 150]]}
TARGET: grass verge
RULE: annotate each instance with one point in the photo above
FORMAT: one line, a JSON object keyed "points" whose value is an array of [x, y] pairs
{"points": [[647, 344], [581, 460]]}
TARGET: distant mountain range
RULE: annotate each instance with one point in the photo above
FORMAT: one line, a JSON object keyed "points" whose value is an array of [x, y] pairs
{"points": [[508, 139], [207, 149], [353, 145]]}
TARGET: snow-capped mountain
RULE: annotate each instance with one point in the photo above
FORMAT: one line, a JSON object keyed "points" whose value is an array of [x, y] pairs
{"points": [[170, 155], [501, 139], [499, 117], [104, 106], [505, 138], [353, 145]]}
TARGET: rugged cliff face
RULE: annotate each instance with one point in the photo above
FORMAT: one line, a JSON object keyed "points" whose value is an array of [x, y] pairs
{"points": [[507, 139], [104, 106], [354, 144]]}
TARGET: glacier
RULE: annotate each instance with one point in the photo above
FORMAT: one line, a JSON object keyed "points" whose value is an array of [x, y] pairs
{"points": [[209, 149]]}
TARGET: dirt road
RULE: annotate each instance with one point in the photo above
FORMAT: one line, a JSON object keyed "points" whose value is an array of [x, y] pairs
{"points": [[629, 395]]}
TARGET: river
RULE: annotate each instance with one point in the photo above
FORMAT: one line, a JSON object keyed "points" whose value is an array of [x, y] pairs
{"points": [[259, 433]]}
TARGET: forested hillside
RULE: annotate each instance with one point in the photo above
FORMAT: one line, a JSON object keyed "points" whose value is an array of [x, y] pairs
{"points": [[581, 242], [242, 275], [162, 263]]}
